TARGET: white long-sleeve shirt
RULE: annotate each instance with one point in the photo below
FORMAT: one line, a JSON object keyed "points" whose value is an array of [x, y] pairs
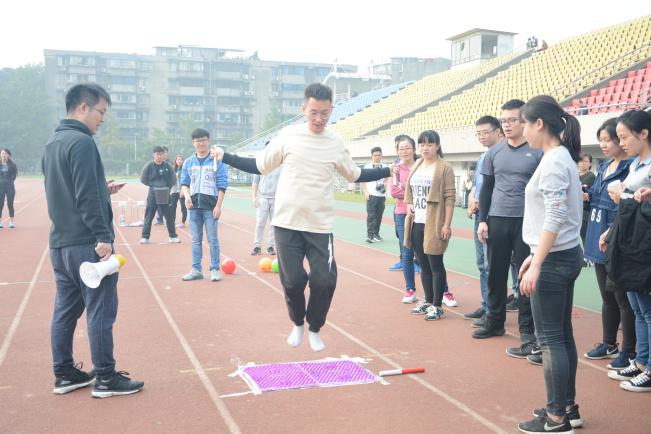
{"points": [[553, 201], [305, 194]]}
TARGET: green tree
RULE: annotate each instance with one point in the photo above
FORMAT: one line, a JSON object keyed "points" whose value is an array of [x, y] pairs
{"points": [[24, 126], [273, 118], [182, 142]]}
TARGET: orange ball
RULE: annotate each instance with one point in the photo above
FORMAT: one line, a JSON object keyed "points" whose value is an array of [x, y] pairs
{"points": [[264, 265], [228, 266]]}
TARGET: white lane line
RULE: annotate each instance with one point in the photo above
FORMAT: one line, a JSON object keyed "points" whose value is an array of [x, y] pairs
{"points": [[401, 291], [460, 405], [201, 373], [6, 342], [25, 206]]}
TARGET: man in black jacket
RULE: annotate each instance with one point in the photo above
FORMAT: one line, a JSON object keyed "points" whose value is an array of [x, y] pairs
{"points": [[79, 207], [159, 176]]}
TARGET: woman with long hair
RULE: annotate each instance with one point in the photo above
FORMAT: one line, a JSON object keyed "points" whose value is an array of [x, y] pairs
{"points": [[430, 196], [175, 193], [8, 172], [551, 227]]}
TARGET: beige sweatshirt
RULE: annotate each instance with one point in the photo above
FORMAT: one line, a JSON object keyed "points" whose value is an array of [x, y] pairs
{"points": [[305, 194]]}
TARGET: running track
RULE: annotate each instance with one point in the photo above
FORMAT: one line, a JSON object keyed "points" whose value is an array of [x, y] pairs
{"points": [[184, 338]]}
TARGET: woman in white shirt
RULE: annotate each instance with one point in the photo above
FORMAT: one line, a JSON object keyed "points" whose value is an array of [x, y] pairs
{"points": [[430, 195]]}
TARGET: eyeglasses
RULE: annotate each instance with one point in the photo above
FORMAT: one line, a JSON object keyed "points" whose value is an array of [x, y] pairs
{"points": [[101, 112], [409, 148], [484, 133], [510, 121]]}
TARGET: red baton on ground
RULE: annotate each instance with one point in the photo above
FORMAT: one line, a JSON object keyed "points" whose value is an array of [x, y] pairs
{"points": [[401, 371]]}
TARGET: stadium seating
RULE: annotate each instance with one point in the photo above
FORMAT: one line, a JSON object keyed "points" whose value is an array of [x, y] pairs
{"points": [[418, 94], [633, 92], [351, 106], [583, 60]]}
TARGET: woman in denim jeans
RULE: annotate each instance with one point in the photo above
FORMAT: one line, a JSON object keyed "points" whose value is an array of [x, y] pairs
{"points": [[406, 148], [633, 130], [551, 227]]}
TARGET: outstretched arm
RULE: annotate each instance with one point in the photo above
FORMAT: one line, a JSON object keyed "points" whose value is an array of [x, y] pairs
{"points": [[368, 175], [242, 163]]}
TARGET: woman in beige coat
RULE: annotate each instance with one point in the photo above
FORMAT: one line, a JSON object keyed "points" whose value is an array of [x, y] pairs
{"points": [[430, 197]]}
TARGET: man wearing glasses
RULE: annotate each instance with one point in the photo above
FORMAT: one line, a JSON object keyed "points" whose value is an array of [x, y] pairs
{"points": [[79, 207], [489, 133], [204, 189], [506, 170]]}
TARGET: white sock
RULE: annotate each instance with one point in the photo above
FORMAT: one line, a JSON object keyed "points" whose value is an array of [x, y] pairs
{"points": [[315, 342], [296, 336]]}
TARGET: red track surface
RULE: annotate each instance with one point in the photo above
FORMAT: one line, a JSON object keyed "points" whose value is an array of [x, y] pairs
{"points": [[184, 338]]}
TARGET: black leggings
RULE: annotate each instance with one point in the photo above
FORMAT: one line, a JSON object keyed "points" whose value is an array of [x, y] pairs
{"points": [[10, 192], [615, 308], [174, 199], [432, 274]]}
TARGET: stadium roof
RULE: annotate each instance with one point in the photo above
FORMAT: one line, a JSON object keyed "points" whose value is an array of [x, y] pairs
{"points": [[477, 30]]}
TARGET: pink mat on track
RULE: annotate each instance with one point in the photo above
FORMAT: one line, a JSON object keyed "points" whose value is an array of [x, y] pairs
{"points": [[300, 375]]}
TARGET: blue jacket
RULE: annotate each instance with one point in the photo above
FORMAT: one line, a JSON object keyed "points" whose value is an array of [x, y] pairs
{"points": [[203, 182], [602, 209]]}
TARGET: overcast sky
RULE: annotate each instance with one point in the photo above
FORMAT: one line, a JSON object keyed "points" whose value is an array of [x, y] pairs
{"points": [[351, 31]]}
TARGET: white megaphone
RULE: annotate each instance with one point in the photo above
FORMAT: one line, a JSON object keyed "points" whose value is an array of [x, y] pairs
{"points": [[92, 273]]}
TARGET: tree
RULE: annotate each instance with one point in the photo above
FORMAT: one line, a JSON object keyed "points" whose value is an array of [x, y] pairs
{"points": [[273, 118], [24, 114]]}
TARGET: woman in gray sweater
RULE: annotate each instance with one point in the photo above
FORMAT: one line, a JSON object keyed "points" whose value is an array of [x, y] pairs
{"points": [[551, 227]]}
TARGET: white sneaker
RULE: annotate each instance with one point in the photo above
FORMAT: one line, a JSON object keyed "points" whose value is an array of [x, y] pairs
{"points": [[145, 241], [174, 240], [215, 275], [410, 297], [193, 275], [12, 224], [448, 300]]}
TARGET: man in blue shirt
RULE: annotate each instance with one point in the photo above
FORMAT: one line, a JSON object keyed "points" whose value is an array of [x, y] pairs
{"points": [[204, 189]]}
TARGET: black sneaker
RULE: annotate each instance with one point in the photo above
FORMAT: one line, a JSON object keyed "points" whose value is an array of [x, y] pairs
{"points": [[479, 322], [572, 415], [641, 383], [488, 332], [545, 424], [475, 314], [523, 350], [512, 303], [256, 251], [73, 380], [377, 238], [625, 374], [535, 359], [370, 240], [116, 384], [270, 250]]}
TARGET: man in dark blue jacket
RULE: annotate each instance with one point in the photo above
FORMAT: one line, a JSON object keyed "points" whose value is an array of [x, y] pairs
{"points": [[79, 207]]}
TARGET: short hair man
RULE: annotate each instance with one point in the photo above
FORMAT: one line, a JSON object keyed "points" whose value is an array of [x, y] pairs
{"points": [[375, 194], [304, 210], [489, 134], [79, 207], [203, 189], [264, 188], [160, 178], [160, 209], [506, 169]]}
